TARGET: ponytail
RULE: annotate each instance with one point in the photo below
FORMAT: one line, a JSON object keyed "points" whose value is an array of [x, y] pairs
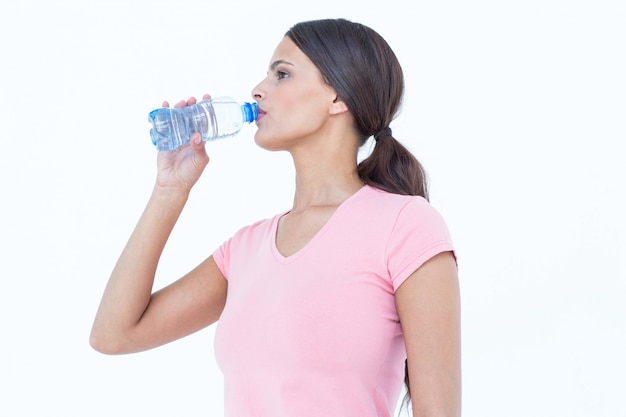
{"points": [[393, 168]]}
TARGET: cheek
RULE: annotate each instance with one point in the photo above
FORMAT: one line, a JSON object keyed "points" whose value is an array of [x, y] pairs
{"points": [[295, 122], [270, 139]]}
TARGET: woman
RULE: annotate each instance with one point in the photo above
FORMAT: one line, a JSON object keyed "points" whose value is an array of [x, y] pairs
{"points": [[319, 306]]}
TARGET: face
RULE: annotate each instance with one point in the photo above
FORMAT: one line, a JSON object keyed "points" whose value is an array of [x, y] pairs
{"points": [[294, 100]]}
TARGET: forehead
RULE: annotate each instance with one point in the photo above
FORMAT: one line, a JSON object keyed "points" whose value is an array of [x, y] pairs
{"points": [[286, 50]]}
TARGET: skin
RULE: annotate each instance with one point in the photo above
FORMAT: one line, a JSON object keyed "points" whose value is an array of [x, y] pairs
{"points": [[302, 115]]}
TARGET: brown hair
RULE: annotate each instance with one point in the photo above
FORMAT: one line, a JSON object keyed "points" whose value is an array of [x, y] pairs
{"points": [[359, 64]]}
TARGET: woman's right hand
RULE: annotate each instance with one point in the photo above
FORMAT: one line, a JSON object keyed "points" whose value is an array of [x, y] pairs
{"points": [[181, 168]]}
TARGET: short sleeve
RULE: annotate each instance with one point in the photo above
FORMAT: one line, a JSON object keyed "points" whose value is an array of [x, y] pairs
{"points": [[418, 234], [221, 256]]}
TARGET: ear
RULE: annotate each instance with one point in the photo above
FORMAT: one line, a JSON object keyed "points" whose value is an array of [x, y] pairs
{"points": [[338, 106]]}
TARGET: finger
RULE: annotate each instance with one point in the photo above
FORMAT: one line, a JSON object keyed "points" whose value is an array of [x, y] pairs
{"points": [[165, 104], [206, 96], [196, 140], [198, 145], [191, 101]]}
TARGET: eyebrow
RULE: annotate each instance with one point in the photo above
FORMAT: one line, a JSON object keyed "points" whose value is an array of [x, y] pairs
{"points": [[278, 62]]}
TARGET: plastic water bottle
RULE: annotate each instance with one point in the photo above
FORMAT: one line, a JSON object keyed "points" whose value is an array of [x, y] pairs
{"points": [[215, 118]]}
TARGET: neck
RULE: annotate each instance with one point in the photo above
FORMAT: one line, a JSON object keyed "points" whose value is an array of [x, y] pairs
{"points": [[325, 177]]}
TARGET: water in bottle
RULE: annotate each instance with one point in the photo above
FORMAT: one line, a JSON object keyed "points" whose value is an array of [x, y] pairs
{"points": [[214, 119]]}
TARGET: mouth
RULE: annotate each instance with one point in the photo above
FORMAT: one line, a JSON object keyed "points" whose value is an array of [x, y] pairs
{"points": [[261, 114]]}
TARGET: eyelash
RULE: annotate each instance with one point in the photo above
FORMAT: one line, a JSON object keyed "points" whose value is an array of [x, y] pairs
{"points": [[281, 74]]}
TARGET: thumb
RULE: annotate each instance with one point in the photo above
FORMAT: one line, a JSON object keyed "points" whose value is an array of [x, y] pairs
{"points": [[198, 147]]}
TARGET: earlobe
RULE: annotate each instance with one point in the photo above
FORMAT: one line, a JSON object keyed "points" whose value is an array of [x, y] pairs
{"points": [[338, 106]]}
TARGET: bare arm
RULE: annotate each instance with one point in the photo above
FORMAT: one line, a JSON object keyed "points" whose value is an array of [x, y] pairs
{"points": [[428, 303], [131, 318]]}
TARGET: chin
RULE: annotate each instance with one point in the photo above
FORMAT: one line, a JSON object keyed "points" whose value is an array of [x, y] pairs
{"points": [[268, 144]]}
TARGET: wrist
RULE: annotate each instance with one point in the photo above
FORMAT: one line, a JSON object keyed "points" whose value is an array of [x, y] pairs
{"points": [[170, 194]]}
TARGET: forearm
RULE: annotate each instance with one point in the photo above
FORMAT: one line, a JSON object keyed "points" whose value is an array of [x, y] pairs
{"points": [[129, 289]]}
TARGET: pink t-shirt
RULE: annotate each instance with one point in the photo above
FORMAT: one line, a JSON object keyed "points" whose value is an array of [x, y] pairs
{"points": [[316, 334]]}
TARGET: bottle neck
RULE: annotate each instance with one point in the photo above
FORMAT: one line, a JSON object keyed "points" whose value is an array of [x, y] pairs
{"points": [[250, 112]]}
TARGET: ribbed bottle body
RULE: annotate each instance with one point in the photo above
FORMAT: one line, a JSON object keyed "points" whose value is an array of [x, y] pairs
{"points": [[214, 119]]}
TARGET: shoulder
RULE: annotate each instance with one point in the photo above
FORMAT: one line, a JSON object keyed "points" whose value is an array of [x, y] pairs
{"points": [[384, 202], [411, 220], [397, 217], [416, 233], [256, 227], [248, 239], [254, 233]]}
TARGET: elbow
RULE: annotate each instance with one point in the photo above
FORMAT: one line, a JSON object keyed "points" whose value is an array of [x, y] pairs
{"points": [[103, 342], [99, 344]]}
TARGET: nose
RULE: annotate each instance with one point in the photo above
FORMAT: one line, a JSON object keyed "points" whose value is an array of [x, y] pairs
{"points": [[257, 92]]}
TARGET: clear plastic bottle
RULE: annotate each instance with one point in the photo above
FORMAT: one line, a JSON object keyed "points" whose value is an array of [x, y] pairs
{"points": [[215, 118]]}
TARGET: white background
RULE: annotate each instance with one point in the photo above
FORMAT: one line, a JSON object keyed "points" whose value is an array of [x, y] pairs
{"points": [[516, 108]]}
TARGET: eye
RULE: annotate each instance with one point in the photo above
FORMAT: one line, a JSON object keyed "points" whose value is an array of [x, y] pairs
{"points": [[281, 74]]}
